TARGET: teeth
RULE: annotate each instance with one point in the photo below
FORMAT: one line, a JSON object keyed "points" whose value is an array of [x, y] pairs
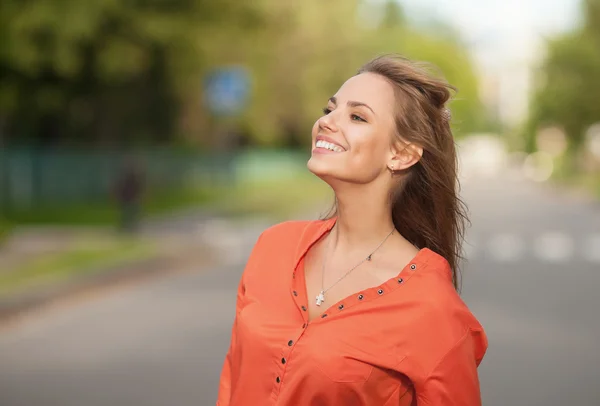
{"points": [[329, 146]]}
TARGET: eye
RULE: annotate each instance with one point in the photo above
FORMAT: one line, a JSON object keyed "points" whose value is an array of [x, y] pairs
{"points": [[355, 117], [326, 110]]}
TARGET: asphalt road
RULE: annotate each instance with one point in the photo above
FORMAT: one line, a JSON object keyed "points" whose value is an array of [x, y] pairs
{"points": [[532, 279]]}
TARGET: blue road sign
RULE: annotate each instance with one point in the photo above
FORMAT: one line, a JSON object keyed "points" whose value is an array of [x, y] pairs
{"points": [[226, 90]]}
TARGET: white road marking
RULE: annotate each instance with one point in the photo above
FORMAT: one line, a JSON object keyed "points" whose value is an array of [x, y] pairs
{"points": [[591, 248], [553, 247], [506, 247], [234, 247]]}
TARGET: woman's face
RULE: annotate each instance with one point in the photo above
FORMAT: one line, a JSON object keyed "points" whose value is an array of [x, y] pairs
{"points": [[352, 140]]}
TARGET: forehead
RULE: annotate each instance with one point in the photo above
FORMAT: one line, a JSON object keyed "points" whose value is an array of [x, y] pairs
{"points": [[368, 88]]}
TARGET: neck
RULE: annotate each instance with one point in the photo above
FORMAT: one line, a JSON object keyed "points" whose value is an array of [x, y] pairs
{"points": [[364, 218]]}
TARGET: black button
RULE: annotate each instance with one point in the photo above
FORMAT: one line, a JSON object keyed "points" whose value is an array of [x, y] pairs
{"points": [[290, 343], [295, 293], [360, 297], [278, 380], [304, 308], [324, 315], [283, 360], [304, 325], [400, 280], [380, 291], [341, 306], [413, 267]]}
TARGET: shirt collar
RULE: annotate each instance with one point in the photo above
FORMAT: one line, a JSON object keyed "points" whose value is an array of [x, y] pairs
{"points": [[312, 232]]}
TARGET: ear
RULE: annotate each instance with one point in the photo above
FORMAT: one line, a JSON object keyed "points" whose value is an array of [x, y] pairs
{"points": [[403, 156]]}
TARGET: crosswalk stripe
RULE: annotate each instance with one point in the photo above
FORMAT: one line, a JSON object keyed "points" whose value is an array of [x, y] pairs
{"points": [[547, 247], [505, 247], [553, 247], [591, 248]]}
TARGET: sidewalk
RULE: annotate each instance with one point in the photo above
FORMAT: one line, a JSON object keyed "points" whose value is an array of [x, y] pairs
{"points": [[164, 245], [190, 240]]}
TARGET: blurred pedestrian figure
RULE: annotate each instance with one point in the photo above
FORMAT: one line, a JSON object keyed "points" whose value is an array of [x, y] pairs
{"points": [[128, 193]]}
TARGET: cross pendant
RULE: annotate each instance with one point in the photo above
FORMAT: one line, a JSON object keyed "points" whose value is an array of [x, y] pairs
{"points": [[320, 298]]}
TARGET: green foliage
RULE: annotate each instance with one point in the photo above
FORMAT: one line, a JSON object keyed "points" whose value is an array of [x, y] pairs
{"points": [[5, 229], [320, 46], [90, 255], [568, 92], [445, 53], [101, 70], [108, 71]]}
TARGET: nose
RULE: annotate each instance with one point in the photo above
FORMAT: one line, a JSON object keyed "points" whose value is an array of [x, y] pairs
{"points": [[327, 122]]}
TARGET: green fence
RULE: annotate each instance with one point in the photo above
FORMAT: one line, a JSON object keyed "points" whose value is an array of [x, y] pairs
{"points": [[30, 178]]}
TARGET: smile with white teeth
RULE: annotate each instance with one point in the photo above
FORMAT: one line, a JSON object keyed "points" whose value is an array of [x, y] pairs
{"points": [[329, 146]]}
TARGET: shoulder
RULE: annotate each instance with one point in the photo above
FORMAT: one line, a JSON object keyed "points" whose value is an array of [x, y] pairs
{"points": [[283, 234], [278, 246], [288, 228], [455, 324], [446, 316], [442, 299], [284, 237]]}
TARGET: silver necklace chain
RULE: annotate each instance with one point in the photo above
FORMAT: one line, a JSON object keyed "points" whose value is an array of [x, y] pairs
{"points": [[321, 296]]}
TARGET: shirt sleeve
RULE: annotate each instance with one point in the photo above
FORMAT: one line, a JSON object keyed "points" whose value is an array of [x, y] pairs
{"points": [[225, 381], [224, 396], [454, 381]]}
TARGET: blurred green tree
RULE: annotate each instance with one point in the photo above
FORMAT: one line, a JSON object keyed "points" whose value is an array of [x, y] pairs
{"points": [[568, 88], [106, 71], [102, 71], [442, 48], [319, 45]]}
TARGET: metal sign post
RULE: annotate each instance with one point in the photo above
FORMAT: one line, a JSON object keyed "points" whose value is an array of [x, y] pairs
{"points": [[226, 93]]}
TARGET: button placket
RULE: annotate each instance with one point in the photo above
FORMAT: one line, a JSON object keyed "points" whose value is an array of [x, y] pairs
{"points": [[285, 356]]}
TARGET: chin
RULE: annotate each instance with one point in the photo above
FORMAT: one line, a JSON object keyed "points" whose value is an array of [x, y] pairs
{"points": [[336, 174], [319, 168], [327, 172]]}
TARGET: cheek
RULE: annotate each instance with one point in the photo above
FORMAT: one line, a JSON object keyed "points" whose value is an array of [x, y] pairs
{"points": [[369, 150], [315, 129]]}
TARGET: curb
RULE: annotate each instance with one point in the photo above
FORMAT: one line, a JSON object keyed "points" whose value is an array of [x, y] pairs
{"points": [[18, 305]]}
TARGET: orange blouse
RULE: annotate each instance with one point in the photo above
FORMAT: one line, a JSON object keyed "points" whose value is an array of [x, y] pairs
{"points": [[409, 341]]}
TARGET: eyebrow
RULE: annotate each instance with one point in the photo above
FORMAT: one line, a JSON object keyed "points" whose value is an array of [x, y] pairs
{"points": [[352, 103]]}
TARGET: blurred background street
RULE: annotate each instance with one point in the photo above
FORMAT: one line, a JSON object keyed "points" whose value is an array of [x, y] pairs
{"points": [[531, 279], [145, 145]]}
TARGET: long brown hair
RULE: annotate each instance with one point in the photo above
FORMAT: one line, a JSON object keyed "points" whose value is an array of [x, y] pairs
{"points": [[426, 207]]}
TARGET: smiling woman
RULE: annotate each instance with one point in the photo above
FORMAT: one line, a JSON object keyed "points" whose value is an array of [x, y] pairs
{"points": [[361, 308]]}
